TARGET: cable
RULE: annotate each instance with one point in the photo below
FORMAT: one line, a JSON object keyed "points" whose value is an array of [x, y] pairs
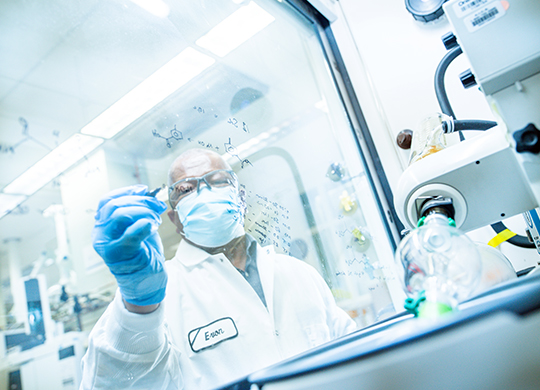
{"points": [[517, 240], [460, 125], [471, 124], [442, 97], [524, 272], [440, 90]]}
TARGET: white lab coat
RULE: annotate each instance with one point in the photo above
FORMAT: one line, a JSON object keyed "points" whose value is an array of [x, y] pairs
{"points": [[212, 327]]}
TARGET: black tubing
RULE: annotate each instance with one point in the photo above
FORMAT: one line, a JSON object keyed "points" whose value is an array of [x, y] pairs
{"points": [[525, 271], [517, 240], [440, 90], [460, 125], [471, 124]]}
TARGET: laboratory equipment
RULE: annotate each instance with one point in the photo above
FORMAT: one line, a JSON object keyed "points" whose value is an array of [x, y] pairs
{"points": [[532, 218], [360, 240], [336, 171], [40, 356], [482, 176], [430, 138], [496, 268], [54, 365], [385, 356], [484, 179], [425, 11], [494, 175], [440, 263], [347, 203], [404, 139], [38, 325]]}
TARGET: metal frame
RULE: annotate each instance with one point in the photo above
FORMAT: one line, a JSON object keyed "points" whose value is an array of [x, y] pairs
{"points": [[368, 152]]}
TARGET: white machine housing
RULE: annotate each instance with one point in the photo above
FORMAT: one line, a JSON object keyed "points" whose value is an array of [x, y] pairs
{"points": [[55, 365], [481, 175], [487, 179]]}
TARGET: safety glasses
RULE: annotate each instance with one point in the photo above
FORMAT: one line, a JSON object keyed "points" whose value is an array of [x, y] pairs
{"points": [[190, 185]]}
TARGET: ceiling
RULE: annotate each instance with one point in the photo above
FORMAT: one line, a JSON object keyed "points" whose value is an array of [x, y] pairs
{"points": [[64, 63]]}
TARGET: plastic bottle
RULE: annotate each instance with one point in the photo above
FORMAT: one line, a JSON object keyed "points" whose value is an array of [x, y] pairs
{"points": [[440, 263]]}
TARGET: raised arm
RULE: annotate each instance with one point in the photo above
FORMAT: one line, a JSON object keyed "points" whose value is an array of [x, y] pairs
{"points": [[125, 236], [129, 347]]}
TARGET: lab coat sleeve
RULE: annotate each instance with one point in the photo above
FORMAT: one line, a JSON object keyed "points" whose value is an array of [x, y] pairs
{"points": [[339, 322], [130, 351], [342, 323]]}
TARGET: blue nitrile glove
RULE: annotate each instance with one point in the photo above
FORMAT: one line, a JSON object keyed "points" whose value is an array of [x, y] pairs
{"points": [[125, 236]]}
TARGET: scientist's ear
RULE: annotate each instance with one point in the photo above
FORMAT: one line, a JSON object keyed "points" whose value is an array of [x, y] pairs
{"points": [[173, 216]]}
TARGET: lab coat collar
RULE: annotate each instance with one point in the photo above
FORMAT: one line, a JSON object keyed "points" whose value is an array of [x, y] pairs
{"points": [[190, 255]]}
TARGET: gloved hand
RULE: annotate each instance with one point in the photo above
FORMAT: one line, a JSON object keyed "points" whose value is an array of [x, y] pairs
{"points": [[125, 236]]}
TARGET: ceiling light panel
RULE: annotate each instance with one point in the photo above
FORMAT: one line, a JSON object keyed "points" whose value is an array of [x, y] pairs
{"points": [[162, 83], [9, 202], [155, 7], [53, 164], [235, 29]]}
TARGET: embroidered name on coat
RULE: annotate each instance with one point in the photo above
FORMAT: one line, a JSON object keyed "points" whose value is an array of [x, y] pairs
{"points": [[212, 334]]}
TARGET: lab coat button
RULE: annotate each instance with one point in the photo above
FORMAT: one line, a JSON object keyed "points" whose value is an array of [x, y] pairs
{"points": [[276, 332]]}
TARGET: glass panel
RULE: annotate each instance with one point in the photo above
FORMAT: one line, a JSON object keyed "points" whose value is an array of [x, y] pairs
{"points": [[97, 95]]}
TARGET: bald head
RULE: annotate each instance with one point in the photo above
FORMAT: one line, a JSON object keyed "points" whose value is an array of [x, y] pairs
{"points": [[195, 163]]}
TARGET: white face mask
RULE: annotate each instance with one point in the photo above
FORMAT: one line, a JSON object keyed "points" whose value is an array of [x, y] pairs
{"points": [[213, 217]]}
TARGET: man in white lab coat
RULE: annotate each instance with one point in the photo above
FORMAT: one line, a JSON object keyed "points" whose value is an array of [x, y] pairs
{"points": [[222, 308]]}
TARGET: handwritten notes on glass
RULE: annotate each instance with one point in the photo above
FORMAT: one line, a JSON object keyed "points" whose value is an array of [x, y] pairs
{"points": [[267, 221]]}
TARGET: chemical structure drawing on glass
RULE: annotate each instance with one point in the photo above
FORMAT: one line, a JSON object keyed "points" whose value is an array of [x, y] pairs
{"points": [[10, 149], [20, 210], [267, 220], [174, 135], [356, 262], [361, 266], [28, 138], [231, 149]]}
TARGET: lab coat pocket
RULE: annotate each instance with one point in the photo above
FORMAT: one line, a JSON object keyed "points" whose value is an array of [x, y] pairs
{"points": [[317, 334]]}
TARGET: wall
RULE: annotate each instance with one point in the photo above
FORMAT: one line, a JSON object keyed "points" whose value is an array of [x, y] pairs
{"points": [[391, 60]]}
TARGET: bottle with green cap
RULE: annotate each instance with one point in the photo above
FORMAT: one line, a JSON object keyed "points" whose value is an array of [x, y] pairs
{"points": [[439, 265]]}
